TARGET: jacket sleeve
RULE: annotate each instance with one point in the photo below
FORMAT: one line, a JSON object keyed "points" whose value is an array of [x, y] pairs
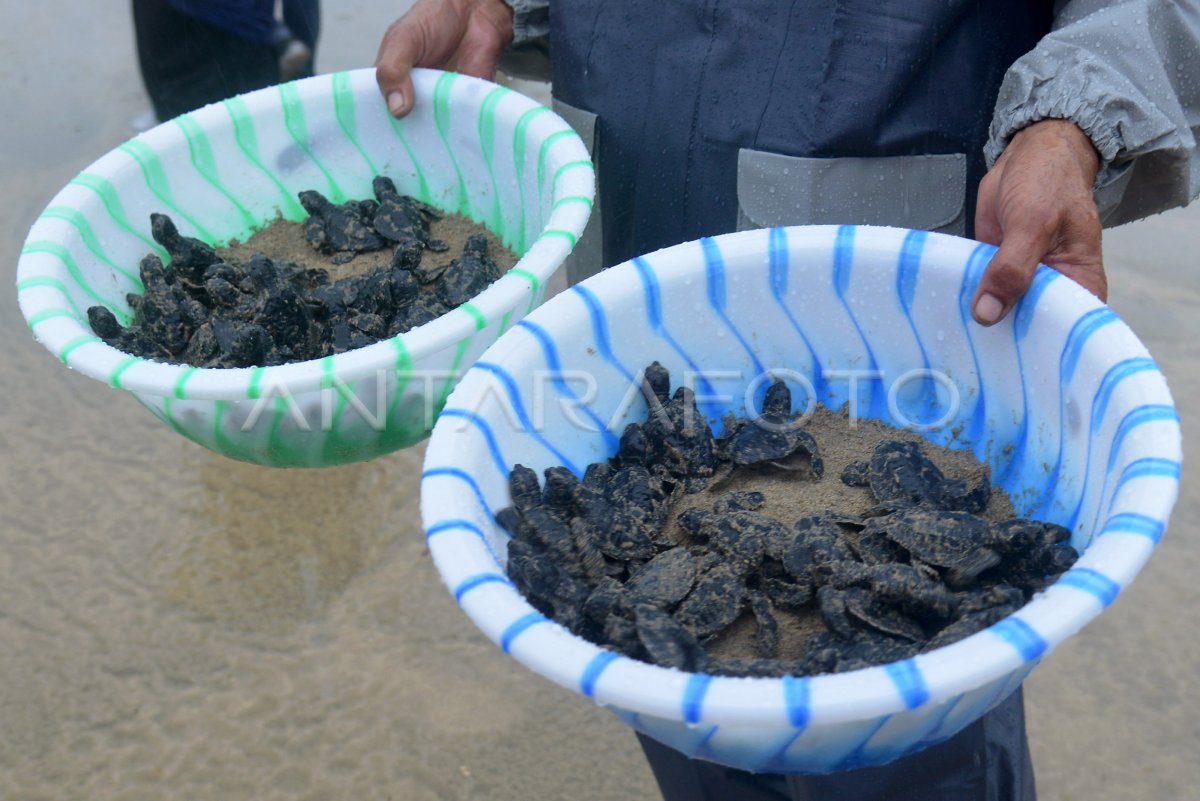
{"points": [[1127, 73], [531, 19]]}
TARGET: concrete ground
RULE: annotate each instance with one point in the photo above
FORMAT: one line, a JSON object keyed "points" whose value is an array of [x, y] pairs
{"points": [[177, 625]]}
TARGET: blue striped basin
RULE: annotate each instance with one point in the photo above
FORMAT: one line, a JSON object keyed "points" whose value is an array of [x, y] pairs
{"points": [[1061, 400], [469, 147]]}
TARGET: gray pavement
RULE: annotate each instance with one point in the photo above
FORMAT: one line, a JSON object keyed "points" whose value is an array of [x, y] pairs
{"points": [[176, 625]]}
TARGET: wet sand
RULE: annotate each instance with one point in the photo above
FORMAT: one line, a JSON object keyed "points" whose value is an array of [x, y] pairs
{"points": [[158, 639]]}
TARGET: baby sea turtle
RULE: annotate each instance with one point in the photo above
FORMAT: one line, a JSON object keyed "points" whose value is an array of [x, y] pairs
{"points": [[633, 447], [743, 537], [332, 228], [1019, 535], [898, 473], [189, 257], [524, 488], [773, 440], [816, 541], [831, 602], [667, 643], [954, 541], [622, 536], [104, 323], [967, 625], [780, 588], [401, 219], [593, 565], [563, 491], [1034, 569], [714, 603], [548, 531], [546, 584], [874, 547], [607, 598], [664, 580], [162, 316], [656, 383], [620, 633], [628, 515], [899, 584], [871, 611], [767, 639], [787, 594], [828, 652], [640, 491], [469, 274], [679, 441], [998, 595]]}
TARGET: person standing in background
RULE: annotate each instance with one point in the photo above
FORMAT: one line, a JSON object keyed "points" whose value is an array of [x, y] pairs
{"points": [[195, 52], [298, 33]]}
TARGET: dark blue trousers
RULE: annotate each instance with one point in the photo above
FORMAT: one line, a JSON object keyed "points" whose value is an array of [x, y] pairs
{"points": [[986, 761]]}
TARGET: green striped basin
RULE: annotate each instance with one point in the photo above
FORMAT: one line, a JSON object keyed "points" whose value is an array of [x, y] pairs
{"points": [[469, 146]]}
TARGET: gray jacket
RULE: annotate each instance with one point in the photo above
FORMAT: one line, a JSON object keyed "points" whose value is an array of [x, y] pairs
{"points": [[1125, 71]]}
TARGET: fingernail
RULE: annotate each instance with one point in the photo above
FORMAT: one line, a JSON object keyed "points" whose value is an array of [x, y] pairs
{"points": [[397, 103], [988, 309]]}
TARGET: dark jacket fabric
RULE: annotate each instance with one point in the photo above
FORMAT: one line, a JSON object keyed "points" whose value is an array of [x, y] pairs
{"points": [[679, 87]]}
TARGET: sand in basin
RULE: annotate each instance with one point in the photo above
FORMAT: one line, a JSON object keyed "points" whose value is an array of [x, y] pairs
{"points": [[283, 240], [790, 496]]}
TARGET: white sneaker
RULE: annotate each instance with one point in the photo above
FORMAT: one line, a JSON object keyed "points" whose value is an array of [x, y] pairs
{"points": [[144, 121], [293, 59]]}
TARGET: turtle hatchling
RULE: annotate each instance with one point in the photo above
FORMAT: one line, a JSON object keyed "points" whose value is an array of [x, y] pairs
{"points": [[774, 439], [401, 219], [332, 228], [630, 557], [899, 473]]}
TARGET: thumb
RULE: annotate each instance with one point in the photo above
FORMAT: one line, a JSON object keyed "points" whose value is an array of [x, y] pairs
{"points": [[425, 36], [400, 49], [1010, 271]]}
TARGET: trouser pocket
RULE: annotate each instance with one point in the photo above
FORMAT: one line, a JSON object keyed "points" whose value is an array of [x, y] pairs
{"points": [[926, 192]]}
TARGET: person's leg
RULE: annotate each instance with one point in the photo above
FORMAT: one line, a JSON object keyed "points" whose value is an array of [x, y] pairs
{"points": [[987, 761], [157, 28], [187, 63], [303, 19], [683, 779]]}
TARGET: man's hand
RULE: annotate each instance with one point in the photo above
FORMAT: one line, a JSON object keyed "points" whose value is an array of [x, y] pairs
{"points": [[1036, 204], [466, 36]]}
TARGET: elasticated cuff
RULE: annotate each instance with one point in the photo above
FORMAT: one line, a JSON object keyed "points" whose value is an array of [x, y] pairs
{"points": [[531, 19], [1007, 121]]}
